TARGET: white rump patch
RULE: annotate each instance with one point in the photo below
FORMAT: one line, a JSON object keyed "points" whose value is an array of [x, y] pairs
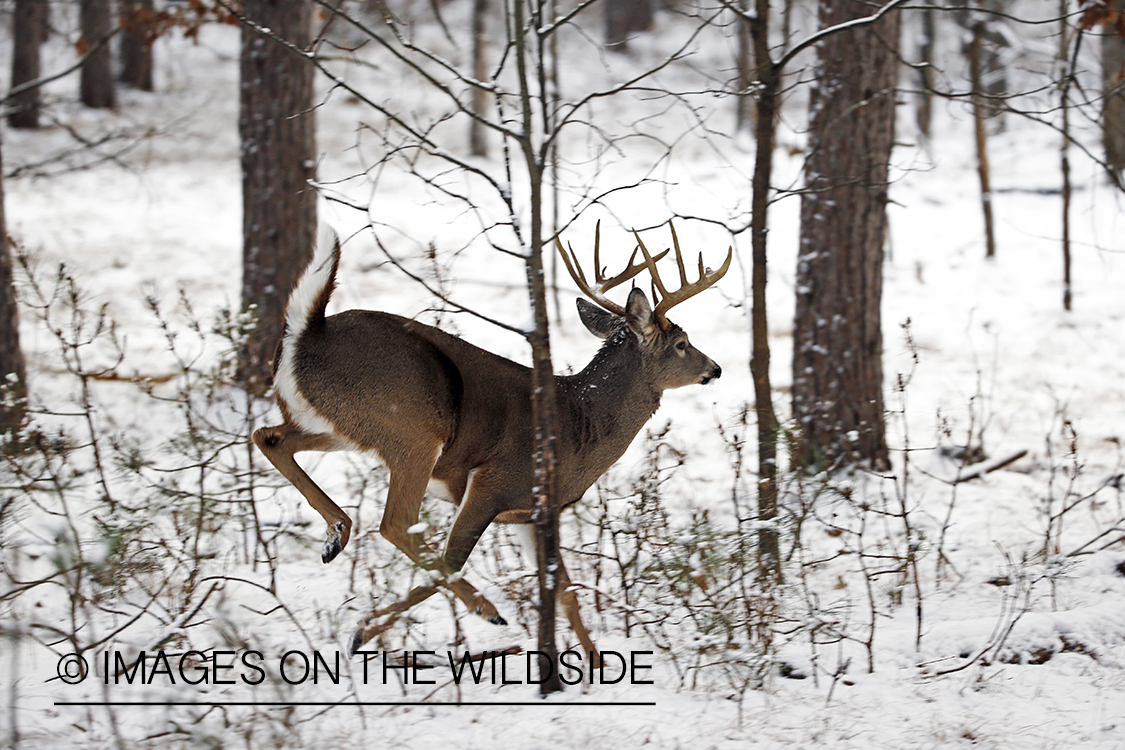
{"points": [[301, 301]]}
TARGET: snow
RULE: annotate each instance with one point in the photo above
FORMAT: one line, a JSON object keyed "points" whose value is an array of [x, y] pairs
{"points": [[983, 350]]}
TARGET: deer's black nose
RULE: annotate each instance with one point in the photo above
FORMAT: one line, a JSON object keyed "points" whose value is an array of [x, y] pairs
{"points": [[715, 372]]}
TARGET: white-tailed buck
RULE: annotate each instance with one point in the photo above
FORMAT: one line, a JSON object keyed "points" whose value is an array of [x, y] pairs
{"points": [[452, 418]]}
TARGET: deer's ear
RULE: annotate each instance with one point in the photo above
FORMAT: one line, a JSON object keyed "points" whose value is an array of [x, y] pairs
{"points": [[638, 314], [599, 322]]}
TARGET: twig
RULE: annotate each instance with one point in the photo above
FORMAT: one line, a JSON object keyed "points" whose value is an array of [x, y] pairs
{"points": [[28, 85]]}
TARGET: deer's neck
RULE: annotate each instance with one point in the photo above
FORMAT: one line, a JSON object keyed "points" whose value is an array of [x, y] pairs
{"points": [[602, 408]]}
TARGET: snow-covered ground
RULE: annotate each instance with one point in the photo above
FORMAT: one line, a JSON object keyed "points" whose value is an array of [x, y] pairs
{"points": [[997, 360]]}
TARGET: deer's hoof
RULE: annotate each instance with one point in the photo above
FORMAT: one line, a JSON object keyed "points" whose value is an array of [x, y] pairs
{"points": [[484, 608], [356, 642], [332, 547], [337, 537]]}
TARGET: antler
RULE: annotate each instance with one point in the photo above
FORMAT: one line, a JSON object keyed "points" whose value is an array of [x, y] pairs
{"points": [[667, 300], [601, 283]]}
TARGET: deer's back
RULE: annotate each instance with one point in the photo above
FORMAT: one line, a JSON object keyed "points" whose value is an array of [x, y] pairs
{"points": [[390, 384]]}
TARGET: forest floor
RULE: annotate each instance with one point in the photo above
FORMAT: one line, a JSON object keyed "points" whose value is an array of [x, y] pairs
{"points": [[919, 612]]}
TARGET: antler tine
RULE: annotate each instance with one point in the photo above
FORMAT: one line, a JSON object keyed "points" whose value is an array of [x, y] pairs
{"points": [[680, 257], [654, 275], [601, 285], [667, 299]]}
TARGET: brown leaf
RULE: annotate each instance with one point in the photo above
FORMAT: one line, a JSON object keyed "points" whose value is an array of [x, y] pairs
{"points": [[1098, 13]]}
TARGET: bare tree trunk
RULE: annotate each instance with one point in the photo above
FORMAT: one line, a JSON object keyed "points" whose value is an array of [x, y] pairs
{"points": [[769, 78], [983, 19], [622, 18], [13, 375], [29, 25], [136, 44], [1064, 149], [478, 144], [924, 111], [544, 400], [554, 96], [744, 103], [96, 79], [837, 338], [980, 135], [546, 514], [277, 130], [993, 74], [1113, 95]]}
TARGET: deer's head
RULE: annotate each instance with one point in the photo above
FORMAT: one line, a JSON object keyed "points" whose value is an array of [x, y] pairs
{"points": [[667, 356]]}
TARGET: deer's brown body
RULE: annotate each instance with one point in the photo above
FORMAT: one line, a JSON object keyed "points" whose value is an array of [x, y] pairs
{"points": [[449, 416]]}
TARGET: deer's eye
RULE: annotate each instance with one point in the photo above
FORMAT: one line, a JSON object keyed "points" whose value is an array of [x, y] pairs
{"points": [[681, 346]]}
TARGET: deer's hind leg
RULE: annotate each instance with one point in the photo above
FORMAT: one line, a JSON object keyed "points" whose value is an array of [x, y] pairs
{"points": [[410, 473], [565, 595], [278, 444], [568, 598]]}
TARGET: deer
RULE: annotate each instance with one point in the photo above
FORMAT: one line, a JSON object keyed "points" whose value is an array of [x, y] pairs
{"points": [[454, 420]]}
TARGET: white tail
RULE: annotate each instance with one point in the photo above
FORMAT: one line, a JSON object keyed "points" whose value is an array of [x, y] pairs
{"points": [[446, 415]]}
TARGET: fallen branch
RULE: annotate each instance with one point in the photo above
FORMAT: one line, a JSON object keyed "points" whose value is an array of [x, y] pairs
{"points": [[986, 467]]}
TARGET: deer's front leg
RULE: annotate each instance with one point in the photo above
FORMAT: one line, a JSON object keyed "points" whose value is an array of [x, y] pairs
{"points": [[278, 444], [404, 500]]}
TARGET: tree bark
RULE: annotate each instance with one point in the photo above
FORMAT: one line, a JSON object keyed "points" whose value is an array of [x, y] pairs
{"points": [[744, 64], [1113, 96], [29, 23], [992, 73], [136, 44], [96, 79], [1063, 57], [277, 131], [13, 376], [544, 411], [546, 514], [765, 125], [926, 38], [622, 18], [478, 141], [837, 339], [980, 137]]}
